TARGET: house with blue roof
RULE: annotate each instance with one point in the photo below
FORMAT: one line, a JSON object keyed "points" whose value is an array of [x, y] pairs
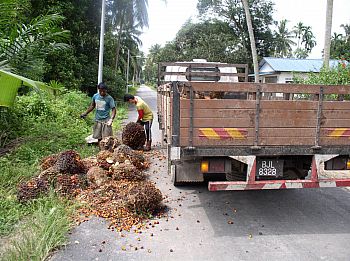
{"points": [[280, 70]]}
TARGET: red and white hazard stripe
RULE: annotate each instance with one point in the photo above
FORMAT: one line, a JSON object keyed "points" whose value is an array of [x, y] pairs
{"points": [[277, 184]]}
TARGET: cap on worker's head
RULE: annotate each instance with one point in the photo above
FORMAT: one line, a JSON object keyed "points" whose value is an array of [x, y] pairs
{"points": [[128, 97], [102, 86]]}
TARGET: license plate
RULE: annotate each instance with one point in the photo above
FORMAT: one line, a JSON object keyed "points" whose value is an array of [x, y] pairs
{"points": [[269, 168]]}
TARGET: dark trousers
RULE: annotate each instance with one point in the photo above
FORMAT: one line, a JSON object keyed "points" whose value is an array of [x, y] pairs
{"points": [[147, 125]]}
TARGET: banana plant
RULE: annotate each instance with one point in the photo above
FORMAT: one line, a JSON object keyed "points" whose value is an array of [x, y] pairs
{"points": [[9, 85]]}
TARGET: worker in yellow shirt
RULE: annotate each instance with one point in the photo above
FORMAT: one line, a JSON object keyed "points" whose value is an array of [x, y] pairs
{"points": [[145, 117]]}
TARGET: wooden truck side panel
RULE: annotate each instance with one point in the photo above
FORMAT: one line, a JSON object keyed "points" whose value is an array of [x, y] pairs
{"points": [[279, 122]]}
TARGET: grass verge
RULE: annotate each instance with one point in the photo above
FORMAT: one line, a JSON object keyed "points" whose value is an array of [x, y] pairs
{"points": [[45, 126]]}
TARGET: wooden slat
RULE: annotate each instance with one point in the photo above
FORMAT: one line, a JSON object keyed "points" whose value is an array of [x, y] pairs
{"points": [[218, 123], [205, 142], [223, 86], [336, 114], [205, 65], [328, 141], [266, 132], [218, 104], [281, 141], [219, 113], [335, 123], [203, 74], [289, 105], [270, 88], [336, 105]]}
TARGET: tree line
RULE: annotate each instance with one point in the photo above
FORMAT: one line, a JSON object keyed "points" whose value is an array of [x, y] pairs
{"points": [[59, 39], [222, 35]]}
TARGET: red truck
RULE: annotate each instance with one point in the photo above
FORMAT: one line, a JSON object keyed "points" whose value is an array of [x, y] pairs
{"points": [[247, 135]]}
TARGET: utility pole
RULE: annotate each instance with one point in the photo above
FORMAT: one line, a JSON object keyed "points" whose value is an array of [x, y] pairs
{"points": [[100, 58]]}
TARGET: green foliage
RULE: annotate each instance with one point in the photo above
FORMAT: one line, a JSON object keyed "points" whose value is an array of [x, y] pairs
{"points": [[339, 75], [232, 12], [25, 46], [37, 126], [45, 229], [334, 76], [340, 44]]}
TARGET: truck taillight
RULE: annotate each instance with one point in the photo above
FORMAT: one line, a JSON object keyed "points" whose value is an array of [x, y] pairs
{"points": [[348, 164], [204, 166]]}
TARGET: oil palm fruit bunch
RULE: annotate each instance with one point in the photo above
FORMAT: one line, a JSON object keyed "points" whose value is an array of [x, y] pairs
{"points": [[134, 135], [97, 176], [109, 143], [138, 160], [125, 171], [143, 197], [32, 189], [48, 161], [67, 185], [49, 174], [69, 162]]}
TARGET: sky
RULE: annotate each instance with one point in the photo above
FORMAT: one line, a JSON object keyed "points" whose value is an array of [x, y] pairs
{"points": [[166, 19]]}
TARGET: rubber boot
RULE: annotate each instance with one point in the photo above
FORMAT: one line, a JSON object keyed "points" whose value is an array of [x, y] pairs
{"points": [[148, 145]]}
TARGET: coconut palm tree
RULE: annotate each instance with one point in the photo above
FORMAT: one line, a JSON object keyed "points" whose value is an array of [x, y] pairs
{"points": [[298, 30], [252, 40], [128, 14], [327, 37], [283, 38], [308, 39]]}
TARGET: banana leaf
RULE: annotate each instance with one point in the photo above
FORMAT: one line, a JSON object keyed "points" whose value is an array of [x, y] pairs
{"points": [[9, 85]]}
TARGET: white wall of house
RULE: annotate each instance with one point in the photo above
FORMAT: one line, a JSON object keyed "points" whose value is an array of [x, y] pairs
{"points": [[279, 77]]}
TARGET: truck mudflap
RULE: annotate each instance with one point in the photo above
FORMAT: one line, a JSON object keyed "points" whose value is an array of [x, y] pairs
{"points": [[277, 184]]}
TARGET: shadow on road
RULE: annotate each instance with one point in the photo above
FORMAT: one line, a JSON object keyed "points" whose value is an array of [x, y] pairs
{"points": [[275, 212]]}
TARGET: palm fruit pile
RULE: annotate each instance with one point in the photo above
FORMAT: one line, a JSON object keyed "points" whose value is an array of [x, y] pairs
{"points": [[111, 185], [143, 197], [124, 152], [105, 159], [69, 162], [127, 171], [48, 161], [32, 189], [69, 185], [134, 135], [97, 176], [109, 143]]}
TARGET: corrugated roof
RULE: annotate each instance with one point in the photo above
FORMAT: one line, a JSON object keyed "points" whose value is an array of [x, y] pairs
{"points": [[296, 65]]}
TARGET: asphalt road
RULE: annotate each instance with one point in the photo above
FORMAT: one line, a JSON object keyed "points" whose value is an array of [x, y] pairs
{"points": [[305, 224]]}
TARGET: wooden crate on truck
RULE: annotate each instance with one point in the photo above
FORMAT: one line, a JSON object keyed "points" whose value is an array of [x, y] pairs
{"points": [[253, 135]]}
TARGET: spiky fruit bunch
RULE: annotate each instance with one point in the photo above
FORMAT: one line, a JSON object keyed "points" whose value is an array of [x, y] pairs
{"points": [[97, 176], [104, 155], [134, 135], [89, 162], [123, 153], [48, 161], [120, 157], [123, 149], [109, 143], [67, 185], [32, 189], [143, 197], [69, 162], [127, 172], [49, 174], [138, 160]]}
